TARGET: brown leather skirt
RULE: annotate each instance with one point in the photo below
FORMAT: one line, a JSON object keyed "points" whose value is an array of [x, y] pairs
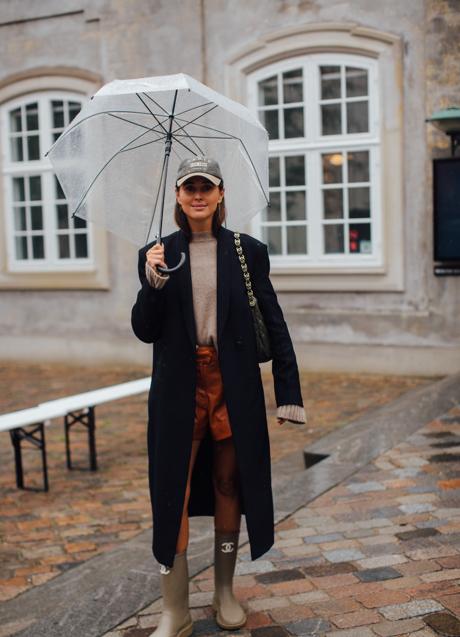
{"points": [[211, 410]]}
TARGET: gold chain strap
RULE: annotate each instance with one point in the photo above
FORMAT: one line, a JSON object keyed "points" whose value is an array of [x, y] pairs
{"points": [[244, 267]]}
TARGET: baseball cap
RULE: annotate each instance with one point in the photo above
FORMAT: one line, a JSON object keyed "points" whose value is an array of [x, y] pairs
{"points": [[199, 167]]}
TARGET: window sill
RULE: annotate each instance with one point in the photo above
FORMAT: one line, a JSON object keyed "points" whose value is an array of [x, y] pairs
{"points": [[343, 279], [54, 281], [95, 277]]}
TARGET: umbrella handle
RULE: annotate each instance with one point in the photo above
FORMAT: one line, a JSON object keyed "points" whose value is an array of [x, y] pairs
{"points": [[176, 267]]}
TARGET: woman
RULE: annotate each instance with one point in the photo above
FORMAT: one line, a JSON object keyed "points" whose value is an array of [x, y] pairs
{"points": [[208, 442]]}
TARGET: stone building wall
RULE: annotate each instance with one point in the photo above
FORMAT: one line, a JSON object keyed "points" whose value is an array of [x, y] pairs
{"points": [[413, 329]]}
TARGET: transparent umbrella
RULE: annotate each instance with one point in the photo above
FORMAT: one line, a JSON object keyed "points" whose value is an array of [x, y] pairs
{"points": [[118, 159]]}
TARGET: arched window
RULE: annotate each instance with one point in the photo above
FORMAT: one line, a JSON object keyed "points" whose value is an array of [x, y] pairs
{"points": [[41, 235], [321, 111]]}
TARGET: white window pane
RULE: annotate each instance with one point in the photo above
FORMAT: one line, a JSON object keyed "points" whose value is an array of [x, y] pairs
{"points": [[295, 170], [20, 218], [292, 86], [358, 166], [63, 246], [360, 238], [36, 216], [330, 82], [357, 117], [333, 203], [17, 153], [18, 189], [38, 247], [359, 203], [62, 216], [331, 119], [273, 212], [35, 188], [57, 114], [356, 82], [269, 120], [81, 246], [15, 120], [332, 168], [33, 147], [74, 109], [296, 240], [32, 117], [295, 205], [59, 192], [272, 237], [268, 91], [21, 248], [78, 222], [274, 171], [333, 239], [293, 122]]}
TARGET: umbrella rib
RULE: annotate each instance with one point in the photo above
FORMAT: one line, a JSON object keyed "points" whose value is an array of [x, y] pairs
{"points": [[206, 137], [187, 123], [124, 119], [156, 200], [83, 197], [194, 107], [153, 141], [152, 114], [200, 150], [156, 103], [186, 147], [229, 136], [84, 119]]}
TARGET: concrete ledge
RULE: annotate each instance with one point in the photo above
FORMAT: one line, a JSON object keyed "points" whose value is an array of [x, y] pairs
{"points": [[104, 591]]}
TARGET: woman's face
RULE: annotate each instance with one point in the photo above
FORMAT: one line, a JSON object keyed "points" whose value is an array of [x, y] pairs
{"points": [[198, 198]]}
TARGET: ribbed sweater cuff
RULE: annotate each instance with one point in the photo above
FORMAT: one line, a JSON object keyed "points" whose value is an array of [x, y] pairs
{"points": [[294, 413], [155, 279]]}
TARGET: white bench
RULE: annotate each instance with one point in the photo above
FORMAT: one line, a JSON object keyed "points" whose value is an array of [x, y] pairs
{"points": [[79, 408]]}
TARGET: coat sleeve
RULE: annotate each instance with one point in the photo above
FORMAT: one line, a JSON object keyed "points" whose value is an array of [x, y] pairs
{"points": [[284, 363], [148, 310]]}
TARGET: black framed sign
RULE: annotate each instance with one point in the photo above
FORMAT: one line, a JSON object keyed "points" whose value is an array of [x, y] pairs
{"points": [[446, 215]]}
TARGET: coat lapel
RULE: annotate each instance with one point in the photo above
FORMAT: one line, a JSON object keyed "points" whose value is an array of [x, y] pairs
{"points": [[223, 278], [184, 275]]}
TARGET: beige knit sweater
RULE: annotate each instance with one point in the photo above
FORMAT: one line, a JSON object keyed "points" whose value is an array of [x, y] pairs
{"points": [[203, 265]]}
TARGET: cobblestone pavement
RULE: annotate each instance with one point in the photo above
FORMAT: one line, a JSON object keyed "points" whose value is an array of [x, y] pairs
{"points": [[377, 555], [86, 513]]}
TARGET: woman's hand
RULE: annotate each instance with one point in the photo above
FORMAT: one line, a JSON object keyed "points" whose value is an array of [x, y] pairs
{"points": [[281, 421], [156, 255]]}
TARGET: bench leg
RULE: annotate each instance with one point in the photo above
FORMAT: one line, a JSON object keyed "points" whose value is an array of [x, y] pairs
{"points": [[87, 418], [17, 436]]}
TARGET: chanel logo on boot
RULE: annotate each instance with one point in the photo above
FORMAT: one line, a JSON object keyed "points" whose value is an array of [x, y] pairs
{"points": [[227, 547], [164, 569]]}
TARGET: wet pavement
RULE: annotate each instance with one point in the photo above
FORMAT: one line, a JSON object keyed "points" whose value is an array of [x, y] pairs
{"points": [[377, 555], [86, 514]]}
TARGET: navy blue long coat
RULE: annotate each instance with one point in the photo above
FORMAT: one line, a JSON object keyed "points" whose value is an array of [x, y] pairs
{"points": [[165, 318]]}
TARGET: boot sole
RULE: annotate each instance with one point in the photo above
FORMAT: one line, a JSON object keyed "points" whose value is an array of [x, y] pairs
{"points": [[223, 624], [186, 631]]}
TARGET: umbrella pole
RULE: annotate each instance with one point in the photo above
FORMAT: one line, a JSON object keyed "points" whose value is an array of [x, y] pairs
{"points": [[168, 144]]}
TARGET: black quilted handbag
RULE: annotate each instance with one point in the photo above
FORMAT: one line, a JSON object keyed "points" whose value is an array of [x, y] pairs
{"points": [[264, 352]]}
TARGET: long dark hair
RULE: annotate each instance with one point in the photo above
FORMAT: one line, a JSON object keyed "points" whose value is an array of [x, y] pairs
{"points": [[218, 217]]}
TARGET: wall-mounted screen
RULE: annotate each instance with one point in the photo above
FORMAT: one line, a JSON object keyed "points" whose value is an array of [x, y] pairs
{"points": [[446, 190]]}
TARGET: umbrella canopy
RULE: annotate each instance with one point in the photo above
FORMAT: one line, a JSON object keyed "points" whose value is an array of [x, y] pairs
{"points": [[118, 158]]}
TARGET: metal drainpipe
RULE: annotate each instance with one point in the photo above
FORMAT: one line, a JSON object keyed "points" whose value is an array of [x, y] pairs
{"points": [[204, 64]]}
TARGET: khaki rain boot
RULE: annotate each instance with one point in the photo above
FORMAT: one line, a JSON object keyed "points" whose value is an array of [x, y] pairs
{"points": [[175, 620], [230, 613]]}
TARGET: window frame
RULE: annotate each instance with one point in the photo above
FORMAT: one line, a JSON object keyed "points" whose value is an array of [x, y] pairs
{"points": [[42, 167], [313, 145]]}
